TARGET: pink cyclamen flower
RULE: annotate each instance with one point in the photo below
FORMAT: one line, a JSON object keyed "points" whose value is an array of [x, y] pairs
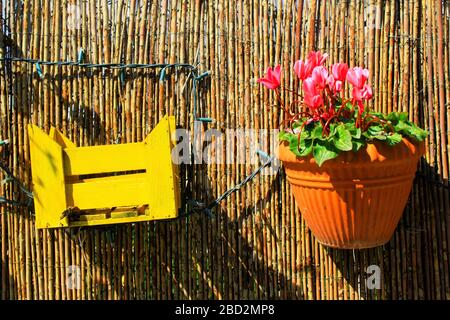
{"points": [[272, 78], [309, 87], [362, 94], [316, 58], [339, 74], [320, 76], [339, 71], [358, 77], [331, 82], [336, 86], [361, 91], [314, 101], [302, 69], [312, 95]]}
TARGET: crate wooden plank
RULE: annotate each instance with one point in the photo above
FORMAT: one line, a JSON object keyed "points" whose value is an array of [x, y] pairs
{"points": [[104, 159], [109, 192], [162, 170], [48, 179]]}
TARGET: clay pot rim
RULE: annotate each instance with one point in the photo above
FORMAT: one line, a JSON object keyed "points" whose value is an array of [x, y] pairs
{"points": [[367, 155]]}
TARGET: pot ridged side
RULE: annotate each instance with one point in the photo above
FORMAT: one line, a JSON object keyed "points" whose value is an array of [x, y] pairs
{"points": [[356, 200]]}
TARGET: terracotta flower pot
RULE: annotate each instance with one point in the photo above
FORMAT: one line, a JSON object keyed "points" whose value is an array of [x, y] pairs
{"points": [[356, 200]]}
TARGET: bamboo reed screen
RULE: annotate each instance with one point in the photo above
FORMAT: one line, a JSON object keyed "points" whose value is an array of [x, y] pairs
{"points": [[257, 245]]}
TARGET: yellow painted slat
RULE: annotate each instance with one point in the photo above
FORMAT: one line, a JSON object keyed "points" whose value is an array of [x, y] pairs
{"points": [[104, 159], [61, 139], [175, 168], [48, 179], [162, 171], [108, 192]]}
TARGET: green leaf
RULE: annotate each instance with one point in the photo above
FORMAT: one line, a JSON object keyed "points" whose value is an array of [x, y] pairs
{"points": [[375, 130], [397, 116], [332, 132], [316, 133], [417, 133], [401, 126], [306, 147], [381, 137], [305, 144], [293, 144], [355, 132], [393, 139], [343, 139], [323, 152], [297, 124], [284, 136], [409, 129], [379, 115], [295, 150], [357, 144], [403, 116]]}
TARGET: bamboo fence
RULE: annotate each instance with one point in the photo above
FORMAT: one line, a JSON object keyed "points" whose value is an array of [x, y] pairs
{"points": [[256, 246]]}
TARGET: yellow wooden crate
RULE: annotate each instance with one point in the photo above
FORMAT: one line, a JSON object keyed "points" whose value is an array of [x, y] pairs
{"points": [[107, 184]]}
